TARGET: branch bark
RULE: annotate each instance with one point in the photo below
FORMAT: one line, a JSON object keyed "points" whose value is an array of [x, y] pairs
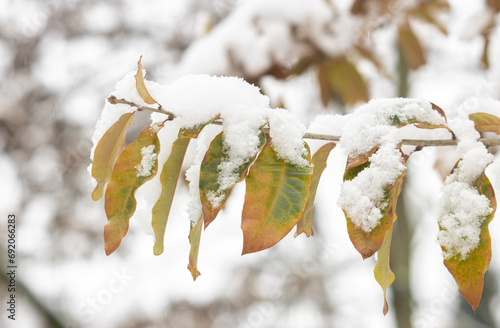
{"points": [[317, 136]]}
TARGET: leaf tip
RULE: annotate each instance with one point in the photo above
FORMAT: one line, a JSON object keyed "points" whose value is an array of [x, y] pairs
{"points": [[194, 272]]}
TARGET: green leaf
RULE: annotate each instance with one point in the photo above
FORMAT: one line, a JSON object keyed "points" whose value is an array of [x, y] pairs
{"points": [[169, 177], [319, 161], [367, 243], [194, 131], [276, 195], [469, 272], [194, 240], [383, 273], [209, 175], [485, 122], [107, 151], [410, 46], [345, 81], [141, 86], [120, 201]]}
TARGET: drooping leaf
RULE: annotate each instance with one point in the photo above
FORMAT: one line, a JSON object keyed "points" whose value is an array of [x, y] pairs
{"points": [[469, 273], [410, 46], [276, 195], [319, 162], [383, 273], [194, 240], [120, 203], [485, 122], [345, 80], [209, 175], [141, 86], [169, 177], [107, 151], [367, 243]]}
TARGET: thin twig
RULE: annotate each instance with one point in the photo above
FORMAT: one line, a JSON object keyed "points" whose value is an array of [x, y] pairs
{"points": [[317, 136]]}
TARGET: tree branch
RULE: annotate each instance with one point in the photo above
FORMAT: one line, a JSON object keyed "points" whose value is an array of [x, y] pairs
{"points": [[316, 136]]}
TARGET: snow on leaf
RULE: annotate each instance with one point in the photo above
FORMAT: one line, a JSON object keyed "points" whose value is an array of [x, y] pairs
{"points": [[485, 122], [141, 86], [120, 203], [469, 272], [368, 239], [383, 273], [276, 195], [194, 240], [410, 46], [319, 164], [107, 151], [169, 177], [212, 196], [193, 132]]}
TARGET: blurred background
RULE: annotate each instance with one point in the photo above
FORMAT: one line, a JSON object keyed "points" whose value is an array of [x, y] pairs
{"points": [[60, 59]]}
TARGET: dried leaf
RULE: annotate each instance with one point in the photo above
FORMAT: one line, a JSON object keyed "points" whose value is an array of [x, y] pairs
{"points": [[410, 46], [209, 175], [107, 151], [469, 273], [319, 161], [345, 80], [120, 203], [485, 122], [169, 177], [194, 240], [141, 86], [276, 195]]}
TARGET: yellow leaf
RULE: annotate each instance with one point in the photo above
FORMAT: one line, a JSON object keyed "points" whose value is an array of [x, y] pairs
{"points": [[141, 86]]}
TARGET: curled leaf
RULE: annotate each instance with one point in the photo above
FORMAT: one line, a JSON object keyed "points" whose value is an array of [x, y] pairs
{"points": [[485, 122], [107, 151], [194, 240], [141, 86]]}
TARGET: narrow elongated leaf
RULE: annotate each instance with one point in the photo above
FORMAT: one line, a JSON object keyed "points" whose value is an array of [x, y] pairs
{"points": [[141, 86], [276, 195], [107, 151], [120, 203], [194, 240], [169, 177], [383, 273], [319, 161], [469, 273], [209, 175], [485, 122], [345, 80], [367, 243], [410, 46]]}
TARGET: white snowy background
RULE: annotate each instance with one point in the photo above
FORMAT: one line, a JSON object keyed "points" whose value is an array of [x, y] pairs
{"points": [[61, 59]]}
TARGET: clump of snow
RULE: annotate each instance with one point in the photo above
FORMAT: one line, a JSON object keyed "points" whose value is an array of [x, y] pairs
{"points": [[374, 124], [286, 133], [145, 167], [193, 173], [461, 209]]}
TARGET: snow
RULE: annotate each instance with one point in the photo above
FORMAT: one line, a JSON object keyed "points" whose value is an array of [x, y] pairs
{"points": [[370, 126], [461, 209], [145, 167]]}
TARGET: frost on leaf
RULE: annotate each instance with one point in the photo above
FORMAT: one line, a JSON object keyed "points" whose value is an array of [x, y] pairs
{"points": [[148, 161]]}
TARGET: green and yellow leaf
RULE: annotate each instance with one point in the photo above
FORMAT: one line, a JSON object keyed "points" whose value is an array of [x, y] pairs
{"points": [[319, 164], [276, 195], [107, 151], [367, 243], [469, 272], [194, 240], [120, 203], [209, 175], [141, 86], [169, 177], [485, 122], [345, 81]]}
